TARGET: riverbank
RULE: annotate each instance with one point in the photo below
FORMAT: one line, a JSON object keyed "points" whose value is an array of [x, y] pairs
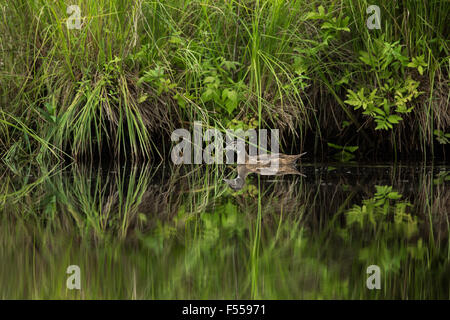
{"points": [[136, 70]]}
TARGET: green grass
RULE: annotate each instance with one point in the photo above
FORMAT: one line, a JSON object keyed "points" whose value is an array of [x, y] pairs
{"points": [[139, 69]]}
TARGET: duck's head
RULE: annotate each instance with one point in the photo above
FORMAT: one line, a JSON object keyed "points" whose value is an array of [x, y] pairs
{"points": [[236, 184]]}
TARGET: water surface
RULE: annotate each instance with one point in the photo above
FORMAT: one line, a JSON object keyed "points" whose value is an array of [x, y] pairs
{"points": [[164, 232]]}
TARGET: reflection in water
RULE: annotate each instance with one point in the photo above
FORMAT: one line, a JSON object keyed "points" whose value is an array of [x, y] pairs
{"points": [[277, 164], [243, 170], [181, 232]]}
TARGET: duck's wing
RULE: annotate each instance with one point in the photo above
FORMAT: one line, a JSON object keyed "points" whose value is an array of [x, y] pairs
{"points": [[261, 159], [266, 159]]}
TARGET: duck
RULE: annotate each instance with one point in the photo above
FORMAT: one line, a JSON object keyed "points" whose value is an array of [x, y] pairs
{"points": [[274, 159], [276, 164]]}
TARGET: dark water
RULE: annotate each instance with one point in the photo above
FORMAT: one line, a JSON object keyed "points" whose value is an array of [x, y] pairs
{"points": [[163, 232]]}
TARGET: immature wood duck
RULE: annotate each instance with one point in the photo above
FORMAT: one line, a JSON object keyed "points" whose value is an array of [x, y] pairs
{"points": [[274, 159], [269, 165]]}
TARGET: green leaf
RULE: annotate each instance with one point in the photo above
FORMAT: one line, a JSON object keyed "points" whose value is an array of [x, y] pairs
{"points": [[232, 95], [50, 108], [209, 79], [231, 105], [379, 111], [335, 146], [355, 103], [353, 99], [343, 80], [327, 25], [364, 57], [321, 10], [142, 98], [230, 65], [394, 195], [351, 148], [314, 15], [394, 118], [207, 95], [180, 100], [381, 125], [344, 29]]}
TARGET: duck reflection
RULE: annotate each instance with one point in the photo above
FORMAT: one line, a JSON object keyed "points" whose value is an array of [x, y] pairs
{"points": [[243, 170]]}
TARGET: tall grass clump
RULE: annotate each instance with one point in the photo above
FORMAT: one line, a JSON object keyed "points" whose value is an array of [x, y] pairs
{"points": [[73, 85]]}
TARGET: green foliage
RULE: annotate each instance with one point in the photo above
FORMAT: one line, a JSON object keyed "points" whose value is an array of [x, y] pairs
{"points": [[218, 86], [244, 124], [393, 96], [441, 136], [385, 58], [441, 178], [158, 80], [382, 206], [346, 152], [418, 63], [332, 26]]}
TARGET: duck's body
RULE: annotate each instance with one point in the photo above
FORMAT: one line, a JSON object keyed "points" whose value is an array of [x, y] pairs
{"points": [[265, 159]]}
